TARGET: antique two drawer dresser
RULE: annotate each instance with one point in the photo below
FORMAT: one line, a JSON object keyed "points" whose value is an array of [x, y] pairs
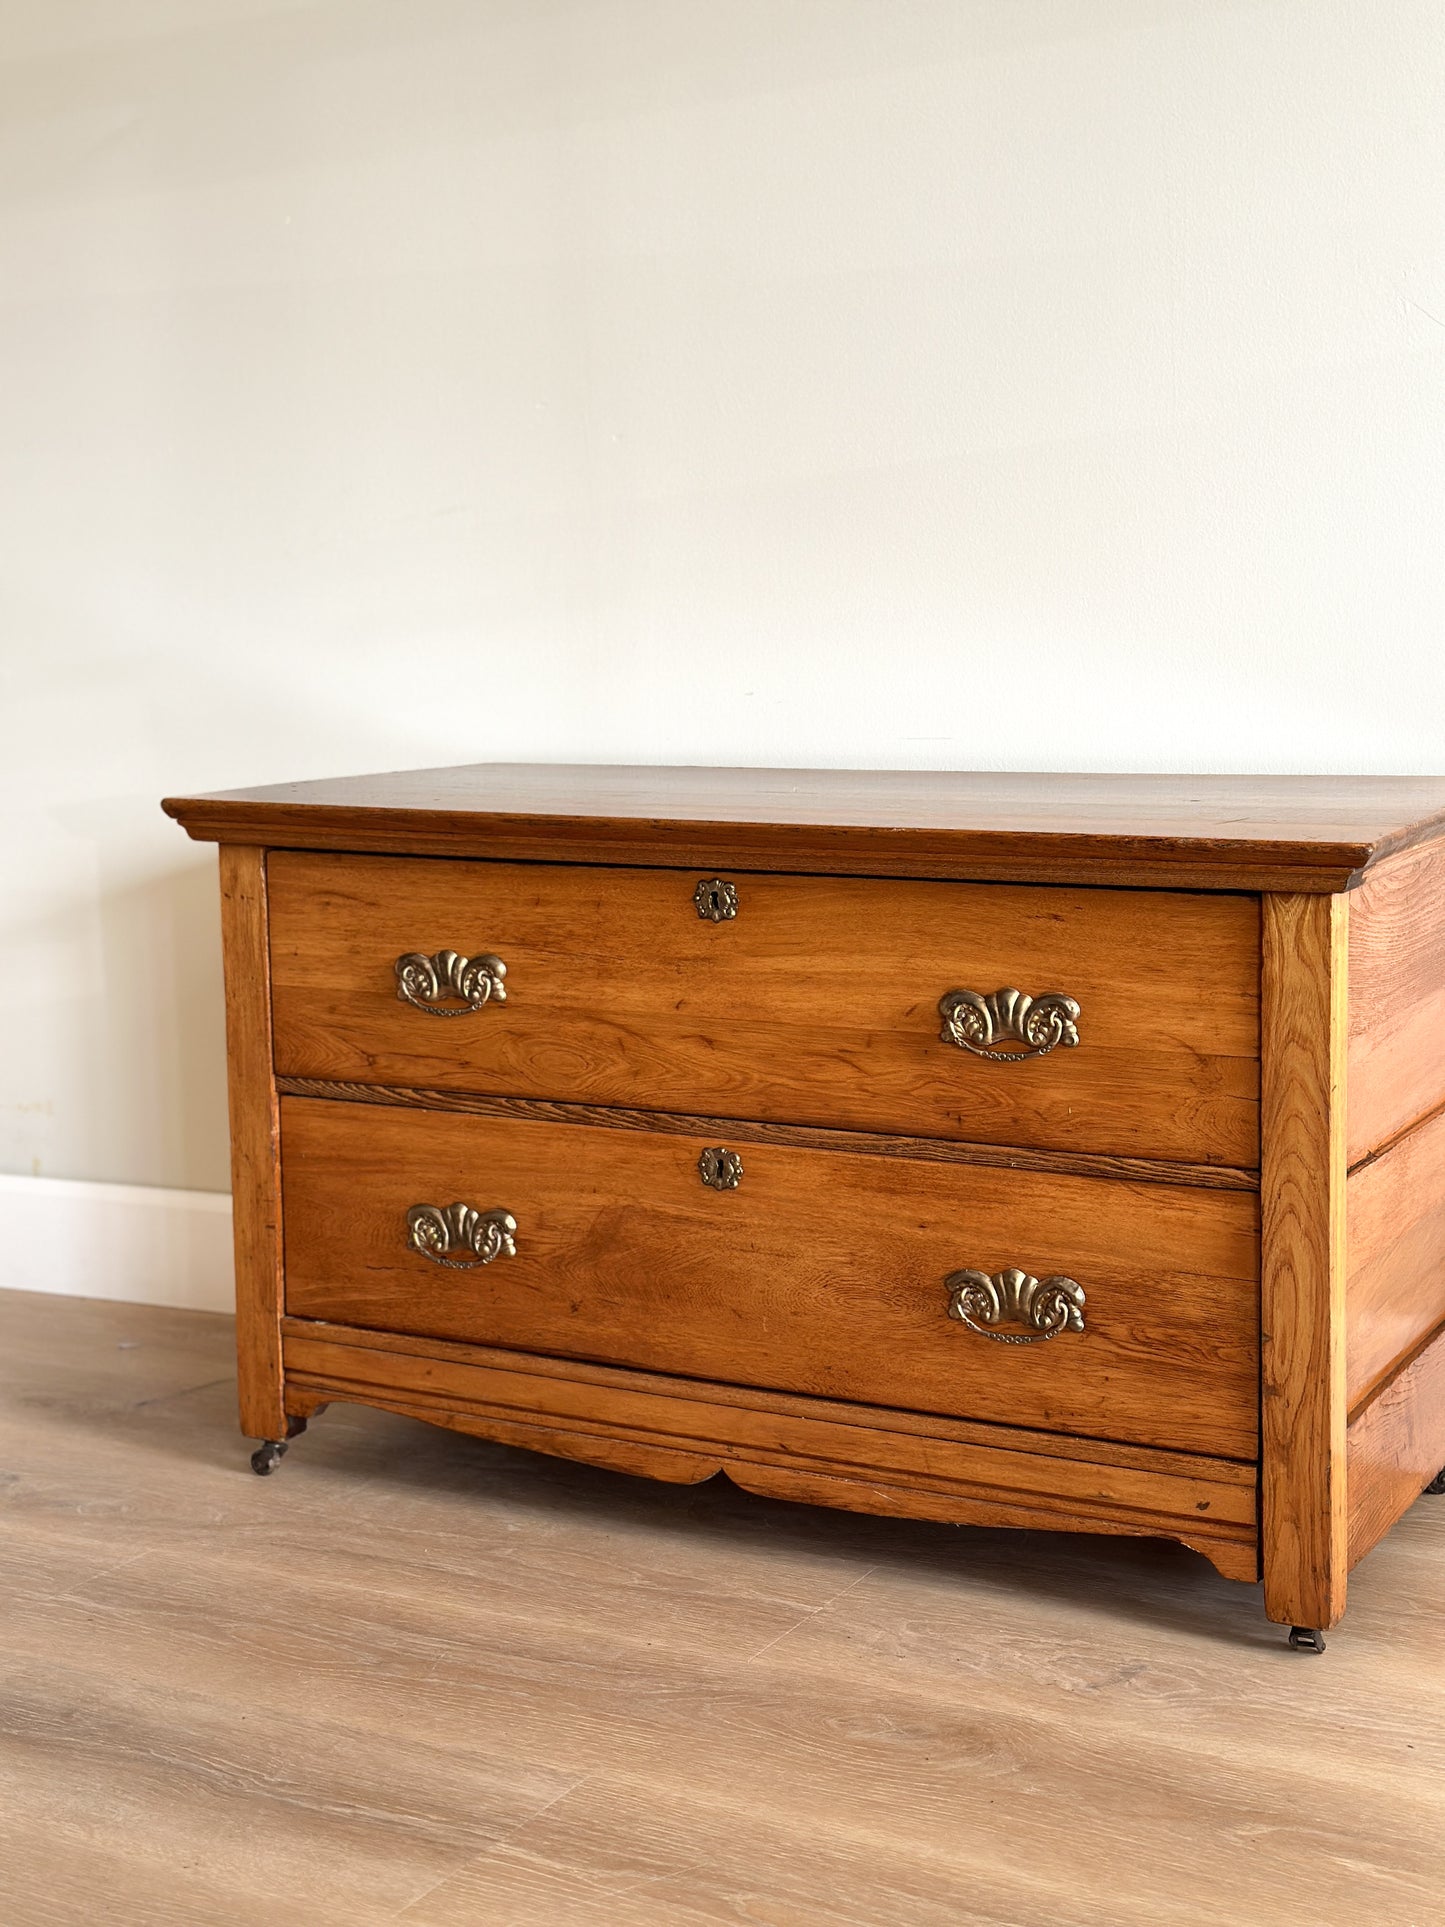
{"points": [[1042, 1151]]}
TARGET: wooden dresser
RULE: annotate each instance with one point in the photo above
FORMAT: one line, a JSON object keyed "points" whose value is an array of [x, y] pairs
{"points": [[1051, 1151]]}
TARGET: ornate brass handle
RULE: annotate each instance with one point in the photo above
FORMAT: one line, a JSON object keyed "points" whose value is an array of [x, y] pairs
{"points": [[1044, 1306], [435, 1230], [977, 1023], [423, 982]]}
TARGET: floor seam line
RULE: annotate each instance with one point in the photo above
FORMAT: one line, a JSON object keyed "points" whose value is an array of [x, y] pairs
{"points": [[69, 1596], [503, 1839], [186, 1391], [809, 1617]]}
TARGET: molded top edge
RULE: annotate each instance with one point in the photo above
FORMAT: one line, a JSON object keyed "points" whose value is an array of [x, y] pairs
{"points": [[1308, 834]]}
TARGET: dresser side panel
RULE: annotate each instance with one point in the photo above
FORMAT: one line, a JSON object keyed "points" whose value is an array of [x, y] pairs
{"points": [[255, 1141], [1397, 998], [1396, 1277], [1397, 1446]]}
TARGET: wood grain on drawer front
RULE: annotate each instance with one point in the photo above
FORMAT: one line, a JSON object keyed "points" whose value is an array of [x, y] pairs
{"points": [[816, 1004], [822, 1273]]}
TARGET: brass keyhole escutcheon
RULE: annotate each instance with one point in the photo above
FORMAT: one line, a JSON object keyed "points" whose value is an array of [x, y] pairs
{"points": [[720, 1170], [716, 900]]}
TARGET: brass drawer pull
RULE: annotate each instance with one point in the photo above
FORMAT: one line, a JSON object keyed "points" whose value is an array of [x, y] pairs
{"points": [[977, 1023], [435, 1230], [423, 981], [722, 1170], [716, 900], [1046, 1306]]}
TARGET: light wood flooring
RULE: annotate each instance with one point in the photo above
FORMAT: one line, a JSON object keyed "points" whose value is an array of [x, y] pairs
{"points": [[416, 1678]]}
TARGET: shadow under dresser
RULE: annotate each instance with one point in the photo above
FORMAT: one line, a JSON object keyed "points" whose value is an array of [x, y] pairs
{"points": [[1049, 1151]]}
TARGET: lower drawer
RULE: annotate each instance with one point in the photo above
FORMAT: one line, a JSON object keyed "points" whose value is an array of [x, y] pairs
{"points": [[821, 1272]]}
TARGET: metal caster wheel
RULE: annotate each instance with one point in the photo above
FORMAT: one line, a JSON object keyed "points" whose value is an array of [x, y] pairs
{"points": [[1306, 1639], [1436, 1487], [270, 1452]]}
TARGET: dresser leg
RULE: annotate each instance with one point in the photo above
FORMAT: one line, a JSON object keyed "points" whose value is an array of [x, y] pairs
{"points": [[270, 1452], [1306, 1639], [1436, 1487]]}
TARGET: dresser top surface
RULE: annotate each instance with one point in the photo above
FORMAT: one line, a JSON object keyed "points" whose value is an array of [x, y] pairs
{"points": [[1294, 833]]}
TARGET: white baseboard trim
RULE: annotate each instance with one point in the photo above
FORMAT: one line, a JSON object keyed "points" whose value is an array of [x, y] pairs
{"points": [[131, 1242]]}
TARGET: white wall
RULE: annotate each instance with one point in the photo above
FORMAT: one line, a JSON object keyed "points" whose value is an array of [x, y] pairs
{"points": [[1035, 383]]}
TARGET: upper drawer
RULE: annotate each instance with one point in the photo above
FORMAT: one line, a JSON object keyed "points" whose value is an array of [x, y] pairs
{"points": [[816, 1003]]}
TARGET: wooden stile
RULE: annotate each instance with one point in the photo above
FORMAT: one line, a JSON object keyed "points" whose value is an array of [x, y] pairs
{"points": [[255, 1142], [1302, 1211]]}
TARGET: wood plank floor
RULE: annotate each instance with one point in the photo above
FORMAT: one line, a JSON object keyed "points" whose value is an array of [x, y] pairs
{"points": [[416, 1678]]}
